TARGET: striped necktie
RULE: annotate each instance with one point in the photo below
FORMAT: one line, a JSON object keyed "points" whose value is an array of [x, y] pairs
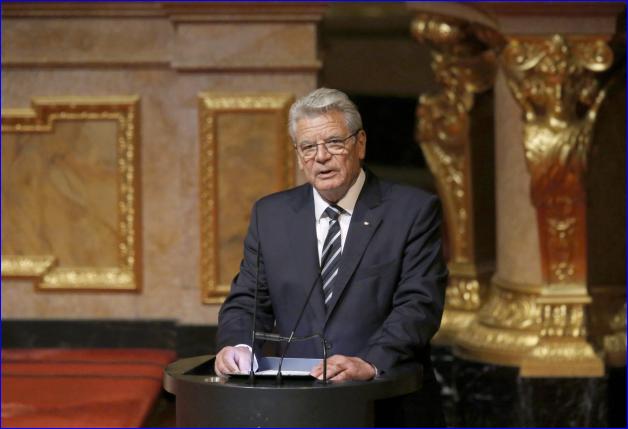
{"points": [[332, 251]]}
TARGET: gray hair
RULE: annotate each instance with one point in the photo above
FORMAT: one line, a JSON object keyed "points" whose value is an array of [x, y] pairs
{"points": [[319, 102]]}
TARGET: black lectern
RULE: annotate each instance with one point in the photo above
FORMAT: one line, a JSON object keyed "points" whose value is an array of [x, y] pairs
{"points": [[205, 400]]}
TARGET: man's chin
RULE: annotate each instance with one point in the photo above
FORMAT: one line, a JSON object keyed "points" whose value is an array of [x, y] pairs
{"points": [[326, 185], [331, 192]]}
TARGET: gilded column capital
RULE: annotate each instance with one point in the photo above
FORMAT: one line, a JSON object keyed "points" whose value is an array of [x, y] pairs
{"points": [[464, 62], [554, 80]]}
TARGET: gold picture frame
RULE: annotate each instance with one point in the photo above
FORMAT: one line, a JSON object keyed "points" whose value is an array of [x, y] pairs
{"points": [[50, 273], [248, 116]]}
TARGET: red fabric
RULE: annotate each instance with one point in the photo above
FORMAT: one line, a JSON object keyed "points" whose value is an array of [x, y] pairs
{"points": [[80, 387]]}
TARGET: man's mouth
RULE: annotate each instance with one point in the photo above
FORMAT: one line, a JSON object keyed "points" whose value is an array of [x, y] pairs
{"points": [[326, 173]]}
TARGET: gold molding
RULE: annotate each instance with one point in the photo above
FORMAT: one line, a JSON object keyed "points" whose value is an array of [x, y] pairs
{"points": [[464, 63], [210, 106], [41, 118], [27, 265], [553, 80]]}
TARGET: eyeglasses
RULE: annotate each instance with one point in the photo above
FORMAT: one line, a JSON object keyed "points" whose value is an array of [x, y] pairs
{"points": [[335, 146]]}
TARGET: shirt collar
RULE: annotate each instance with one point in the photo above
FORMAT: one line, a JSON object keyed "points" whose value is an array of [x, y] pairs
{"points": [[347, 203]]}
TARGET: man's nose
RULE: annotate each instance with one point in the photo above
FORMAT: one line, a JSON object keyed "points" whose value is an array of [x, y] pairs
{"points": [[322, 154]]}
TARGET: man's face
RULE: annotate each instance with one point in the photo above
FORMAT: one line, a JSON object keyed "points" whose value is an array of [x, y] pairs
{"points": [[331, 175]]}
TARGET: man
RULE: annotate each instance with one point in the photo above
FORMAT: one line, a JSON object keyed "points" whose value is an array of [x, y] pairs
{"points": [[373, 247]]}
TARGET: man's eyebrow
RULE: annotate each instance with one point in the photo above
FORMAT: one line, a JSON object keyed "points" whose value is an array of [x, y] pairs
{"points": [[331, 137]]}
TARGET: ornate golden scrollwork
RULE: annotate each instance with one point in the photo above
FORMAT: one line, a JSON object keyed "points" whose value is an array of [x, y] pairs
{"points": [[464, 63], [211, 106], [41, 118], [553, 80]]}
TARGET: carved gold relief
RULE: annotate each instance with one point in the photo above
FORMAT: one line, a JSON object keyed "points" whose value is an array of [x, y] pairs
{"points": [[464, 63], [506, 327], [562, 349], [112, 267], [245, 154], [464, 294], [553, 80], [511, 307]]}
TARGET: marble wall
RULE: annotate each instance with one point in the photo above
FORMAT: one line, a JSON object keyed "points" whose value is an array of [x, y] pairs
{"points": [[165, 55]]}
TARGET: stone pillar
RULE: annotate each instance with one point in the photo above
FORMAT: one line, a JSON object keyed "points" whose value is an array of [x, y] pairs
{"points": [[455, 134]]}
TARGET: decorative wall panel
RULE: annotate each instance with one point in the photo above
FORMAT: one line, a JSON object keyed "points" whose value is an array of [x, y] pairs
{"points": [[245, 154], [70, 193]]}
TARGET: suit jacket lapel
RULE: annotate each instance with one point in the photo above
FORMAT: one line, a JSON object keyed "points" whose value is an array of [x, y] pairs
{"points": [[302, 228], [364, 223]]}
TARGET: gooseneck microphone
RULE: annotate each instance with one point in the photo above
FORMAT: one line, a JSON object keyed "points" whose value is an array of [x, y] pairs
{"points": [[252, 370]]}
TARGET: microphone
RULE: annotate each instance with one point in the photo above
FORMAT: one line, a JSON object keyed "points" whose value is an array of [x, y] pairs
{"points": [[292, 337], [270, 337]]}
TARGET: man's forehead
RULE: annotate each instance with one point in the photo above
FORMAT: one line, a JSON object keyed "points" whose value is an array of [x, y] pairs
{"points": [[326, 123]]}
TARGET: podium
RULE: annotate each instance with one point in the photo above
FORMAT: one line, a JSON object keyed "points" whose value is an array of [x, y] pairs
{"points": [[206, 400]]}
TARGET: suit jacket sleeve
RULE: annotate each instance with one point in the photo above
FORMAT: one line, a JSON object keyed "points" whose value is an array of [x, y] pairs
{"points": [[419, 297], [236, 314]]}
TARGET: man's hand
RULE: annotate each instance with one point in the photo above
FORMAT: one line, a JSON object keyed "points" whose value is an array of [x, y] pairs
{"points": [[344, 368], [232, 359]]}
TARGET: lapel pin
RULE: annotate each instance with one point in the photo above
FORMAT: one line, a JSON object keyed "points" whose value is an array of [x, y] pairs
{"points": [[366, 223]]}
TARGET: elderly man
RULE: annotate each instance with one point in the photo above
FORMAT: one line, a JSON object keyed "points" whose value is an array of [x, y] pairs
{"points": [[373, 247]]}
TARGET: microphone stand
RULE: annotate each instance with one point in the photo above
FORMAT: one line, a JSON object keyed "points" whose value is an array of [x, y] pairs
{"points": [[275, 337], [296, 324]]}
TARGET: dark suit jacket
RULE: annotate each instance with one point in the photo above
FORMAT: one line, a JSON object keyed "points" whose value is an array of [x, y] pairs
{"points": [[388, 294]]}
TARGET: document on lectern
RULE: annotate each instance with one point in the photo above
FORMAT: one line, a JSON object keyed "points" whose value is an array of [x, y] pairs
{"points": [[291, 367]]}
